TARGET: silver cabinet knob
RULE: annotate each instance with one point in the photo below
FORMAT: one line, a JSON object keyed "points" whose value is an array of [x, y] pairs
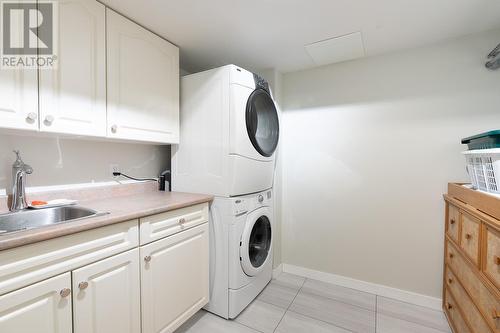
{"points": [[182, 221], [83, 285], [147, 258], [65, 292], [114, 128], [49, 120], [31, 117], [260, 198]]}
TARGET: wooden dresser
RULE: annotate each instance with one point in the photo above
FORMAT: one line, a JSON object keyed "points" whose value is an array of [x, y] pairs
{"points": [[471, 286]]}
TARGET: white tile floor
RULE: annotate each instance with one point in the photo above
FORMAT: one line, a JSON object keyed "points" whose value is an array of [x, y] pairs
{"points": [[292, 304]]}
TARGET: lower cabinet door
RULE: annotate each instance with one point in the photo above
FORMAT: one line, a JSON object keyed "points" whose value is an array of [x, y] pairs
{"points": [[107, 295], [174, 279], [44, 307]]}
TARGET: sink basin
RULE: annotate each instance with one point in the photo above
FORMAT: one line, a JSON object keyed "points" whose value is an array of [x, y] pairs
{"points": [[36, 218]]}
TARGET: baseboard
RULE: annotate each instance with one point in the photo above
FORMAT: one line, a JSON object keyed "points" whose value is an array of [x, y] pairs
{"points": [[277, 271], [373, 288]]}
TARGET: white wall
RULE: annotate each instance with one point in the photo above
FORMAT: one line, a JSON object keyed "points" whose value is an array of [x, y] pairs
{"points": [[369, 147], [70, 161]]}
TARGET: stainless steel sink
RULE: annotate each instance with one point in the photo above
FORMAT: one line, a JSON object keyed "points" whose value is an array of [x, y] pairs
{"points": [[37, 218]]}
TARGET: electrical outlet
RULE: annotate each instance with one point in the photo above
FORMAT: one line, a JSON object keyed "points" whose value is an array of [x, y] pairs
{"points": [[114, 168]]}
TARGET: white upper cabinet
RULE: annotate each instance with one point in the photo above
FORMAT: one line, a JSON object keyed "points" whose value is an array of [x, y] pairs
{"points": [[19, 98], [73, 96], [143, 83]]}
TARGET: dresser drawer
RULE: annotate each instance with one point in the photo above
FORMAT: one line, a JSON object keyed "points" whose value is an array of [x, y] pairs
{"points": [[469, 237], [452, 309], [162, 225], [453, 222], [491, 265], [487, 302], [470, 311]]}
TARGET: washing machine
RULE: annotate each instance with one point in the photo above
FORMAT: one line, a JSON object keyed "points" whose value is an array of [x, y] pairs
{"points": [[229, 133], [241, 239]]}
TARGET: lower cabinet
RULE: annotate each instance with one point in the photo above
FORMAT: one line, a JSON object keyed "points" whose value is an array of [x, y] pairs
{"points": [[153, 288], [106, 295], [44, 307], [174, 279]]}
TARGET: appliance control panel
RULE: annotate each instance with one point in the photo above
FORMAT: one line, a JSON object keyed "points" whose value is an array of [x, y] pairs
{"points": [[239, 206], [248, 203]]}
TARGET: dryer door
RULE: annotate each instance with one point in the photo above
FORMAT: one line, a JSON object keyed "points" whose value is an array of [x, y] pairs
{"points": [[262, 122], [256, 242]]}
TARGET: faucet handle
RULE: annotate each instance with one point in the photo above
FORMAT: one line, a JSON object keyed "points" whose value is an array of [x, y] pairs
{"points": [[18, 153]]}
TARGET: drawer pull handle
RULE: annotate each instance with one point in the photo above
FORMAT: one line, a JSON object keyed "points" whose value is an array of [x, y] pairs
{"points": [[497, 261], [450, 306], [451, 255], [496, 315], [83, 285], [468, 236], [182, 221], [65, 292], [147, 258], [452, 221], [450, 281]]}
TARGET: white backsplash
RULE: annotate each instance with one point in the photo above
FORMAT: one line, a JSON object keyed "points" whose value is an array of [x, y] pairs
{"points": [[58, 161]]}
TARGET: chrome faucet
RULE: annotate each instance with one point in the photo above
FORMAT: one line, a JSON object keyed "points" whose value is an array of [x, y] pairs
{"points": [[19, 172]]}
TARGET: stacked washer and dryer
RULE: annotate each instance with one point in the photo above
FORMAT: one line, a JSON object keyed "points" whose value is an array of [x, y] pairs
{"points": [[229, 135]]}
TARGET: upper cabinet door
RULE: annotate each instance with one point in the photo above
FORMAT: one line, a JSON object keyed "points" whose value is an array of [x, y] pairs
{"points": [[44, 307], [143, 83], [19, 99], [73, 96], [19, 96]]}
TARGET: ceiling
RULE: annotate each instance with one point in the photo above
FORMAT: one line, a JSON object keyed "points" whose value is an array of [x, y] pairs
{"points": [[262, 34]]}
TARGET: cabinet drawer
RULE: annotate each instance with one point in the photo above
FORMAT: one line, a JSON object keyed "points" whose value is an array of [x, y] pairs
{"points": [[162, 225], [28, 264], [471, 313], [491, 266], [451, 308], [484, 298], [453, 222], [469, 237]]}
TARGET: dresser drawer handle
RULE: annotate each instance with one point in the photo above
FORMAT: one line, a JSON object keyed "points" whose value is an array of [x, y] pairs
{"points": [[147, 258], [497, 261], [450, 281], [451, 255], [468, 236], [452, 221], [450, 306]]}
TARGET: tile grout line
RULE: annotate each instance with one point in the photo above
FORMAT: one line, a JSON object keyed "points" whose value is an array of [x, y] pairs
{"points": [[289, 305]]}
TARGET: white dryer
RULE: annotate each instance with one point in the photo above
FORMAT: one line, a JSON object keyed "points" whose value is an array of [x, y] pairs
{"points": [[228, 136], [241, 232]]}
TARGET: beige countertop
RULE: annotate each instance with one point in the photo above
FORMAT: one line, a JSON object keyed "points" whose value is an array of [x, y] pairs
{"points": [[121, 206]]}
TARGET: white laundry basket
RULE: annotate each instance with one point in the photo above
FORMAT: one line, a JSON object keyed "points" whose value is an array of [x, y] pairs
{"points": [[483, 166]]}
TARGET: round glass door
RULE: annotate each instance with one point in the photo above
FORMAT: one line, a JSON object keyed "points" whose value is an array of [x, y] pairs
{"points": [[262, 122], [256, 245]]}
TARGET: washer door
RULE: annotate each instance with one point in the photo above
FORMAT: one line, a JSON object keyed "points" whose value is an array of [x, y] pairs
{"points": [[256, 242], [262, 122]]}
